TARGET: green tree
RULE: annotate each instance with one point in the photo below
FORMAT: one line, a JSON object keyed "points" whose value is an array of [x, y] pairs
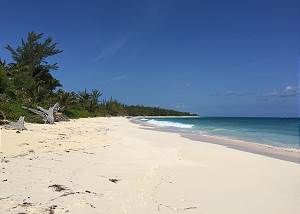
{"points": [[67, 100], [115, 108], [30, 70], [94, 100], [3, 78], [84, 99]]}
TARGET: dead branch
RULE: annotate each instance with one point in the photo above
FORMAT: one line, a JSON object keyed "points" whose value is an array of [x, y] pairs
{"points": [[19, 125], [47, 115]]}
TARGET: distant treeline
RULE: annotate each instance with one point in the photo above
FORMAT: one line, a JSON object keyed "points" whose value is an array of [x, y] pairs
{"points": [[28, 81], [138, 110]]}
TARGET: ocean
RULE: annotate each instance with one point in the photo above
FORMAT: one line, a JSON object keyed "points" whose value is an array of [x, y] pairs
{"points": [[279, 132]]}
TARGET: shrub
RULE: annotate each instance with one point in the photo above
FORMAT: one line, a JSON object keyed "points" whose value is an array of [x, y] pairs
{"points": [[13, 111], [77, 113]]}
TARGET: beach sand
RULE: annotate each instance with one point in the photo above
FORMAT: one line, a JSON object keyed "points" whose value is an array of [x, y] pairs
{"points": [[110, 165]]}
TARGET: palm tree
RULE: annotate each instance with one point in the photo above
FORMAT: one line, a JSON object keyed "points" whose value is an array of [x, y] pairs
{"points": [[84, 98], [94, 100], [66, 99]]}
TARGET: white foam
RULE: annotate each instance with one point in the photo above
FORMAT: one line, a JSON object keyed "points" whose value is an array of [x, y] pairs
{"points": [[170, 124]]}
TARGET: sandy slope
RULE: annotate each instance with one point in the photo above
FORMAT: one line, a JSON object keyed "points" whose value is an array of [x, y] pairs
{"points": [[157, 172]]}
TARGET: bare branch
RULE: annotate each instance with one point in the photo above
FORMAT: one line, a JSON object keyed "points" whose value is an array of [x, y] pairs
{"points": [[19, 125]]}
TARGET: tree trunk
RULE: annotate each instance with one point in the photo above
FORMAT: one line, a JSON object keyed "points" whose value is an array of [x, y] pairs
{"points": [[19, 125], [47, 115]]}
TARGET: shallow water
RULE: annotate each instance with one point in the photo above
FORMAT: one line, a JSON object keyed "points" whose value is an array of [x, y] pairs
{"points": [[282, 132]]}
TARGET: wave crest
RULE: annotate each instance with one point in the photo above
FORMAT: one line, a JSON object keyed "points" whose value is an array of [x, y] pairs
{"points": [[169, 124]]}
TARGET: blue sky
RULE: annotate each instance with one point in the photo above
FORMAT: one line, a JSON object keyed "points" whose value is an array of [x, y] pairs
{"points": [[216, 58]]}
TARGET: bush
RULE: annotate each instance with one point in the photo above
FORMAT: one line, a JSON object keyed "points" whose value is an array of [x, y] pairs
{"points": [[13, 111], [101, 112], [77, 113]]}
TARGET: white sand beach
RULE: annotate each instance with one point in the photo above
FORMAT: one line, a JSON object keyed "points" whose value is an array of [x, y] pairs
{"points": [[110, 165]]}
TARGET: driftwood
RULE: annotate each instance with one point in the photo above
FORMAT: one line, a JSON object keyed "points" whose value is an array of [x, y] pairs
{"points": [[19, 125], [47, 115], [60, 117]]}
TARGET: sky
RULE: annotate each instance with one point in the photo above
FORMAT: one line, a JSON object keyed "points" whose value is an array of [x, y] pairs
{"points": [[214, 58]]}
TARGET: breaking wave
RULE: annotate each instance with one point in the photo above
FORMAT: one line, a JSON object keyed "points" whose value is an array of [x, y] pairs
{"points": [[169, 124]]}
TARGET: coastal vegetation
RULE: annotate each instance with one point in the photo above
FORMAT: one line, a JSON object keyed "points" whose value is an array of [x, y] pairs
{"points": [[28, 81]]}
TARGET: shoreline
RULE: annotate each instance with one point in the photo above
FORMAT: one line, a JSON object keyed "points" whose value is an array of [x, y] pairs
{"points": [[138, 117], [282, 153]]}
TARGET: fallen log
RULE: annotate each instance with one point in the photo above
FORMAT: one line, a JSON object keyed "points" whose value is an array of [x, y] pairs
{"points": [[47, 115], [60, 117], [19, 125]]}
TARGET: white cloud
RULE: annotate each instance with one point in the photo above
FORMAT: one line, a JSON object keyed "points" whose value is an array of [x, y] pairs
{"points": [[188, 85], [120, 77], [230, 93], [288, 91], [272, 93], [237, 93], [112, 49]]}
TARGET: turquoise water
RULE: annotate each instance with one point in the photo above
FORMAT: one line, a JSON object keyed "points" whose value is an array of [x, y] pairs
{"points": [[283, 132]]}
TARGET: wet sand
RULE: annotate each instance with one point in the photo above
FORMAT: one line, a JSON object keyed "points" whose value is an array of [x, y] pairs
{"points": [[281, 153]]}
